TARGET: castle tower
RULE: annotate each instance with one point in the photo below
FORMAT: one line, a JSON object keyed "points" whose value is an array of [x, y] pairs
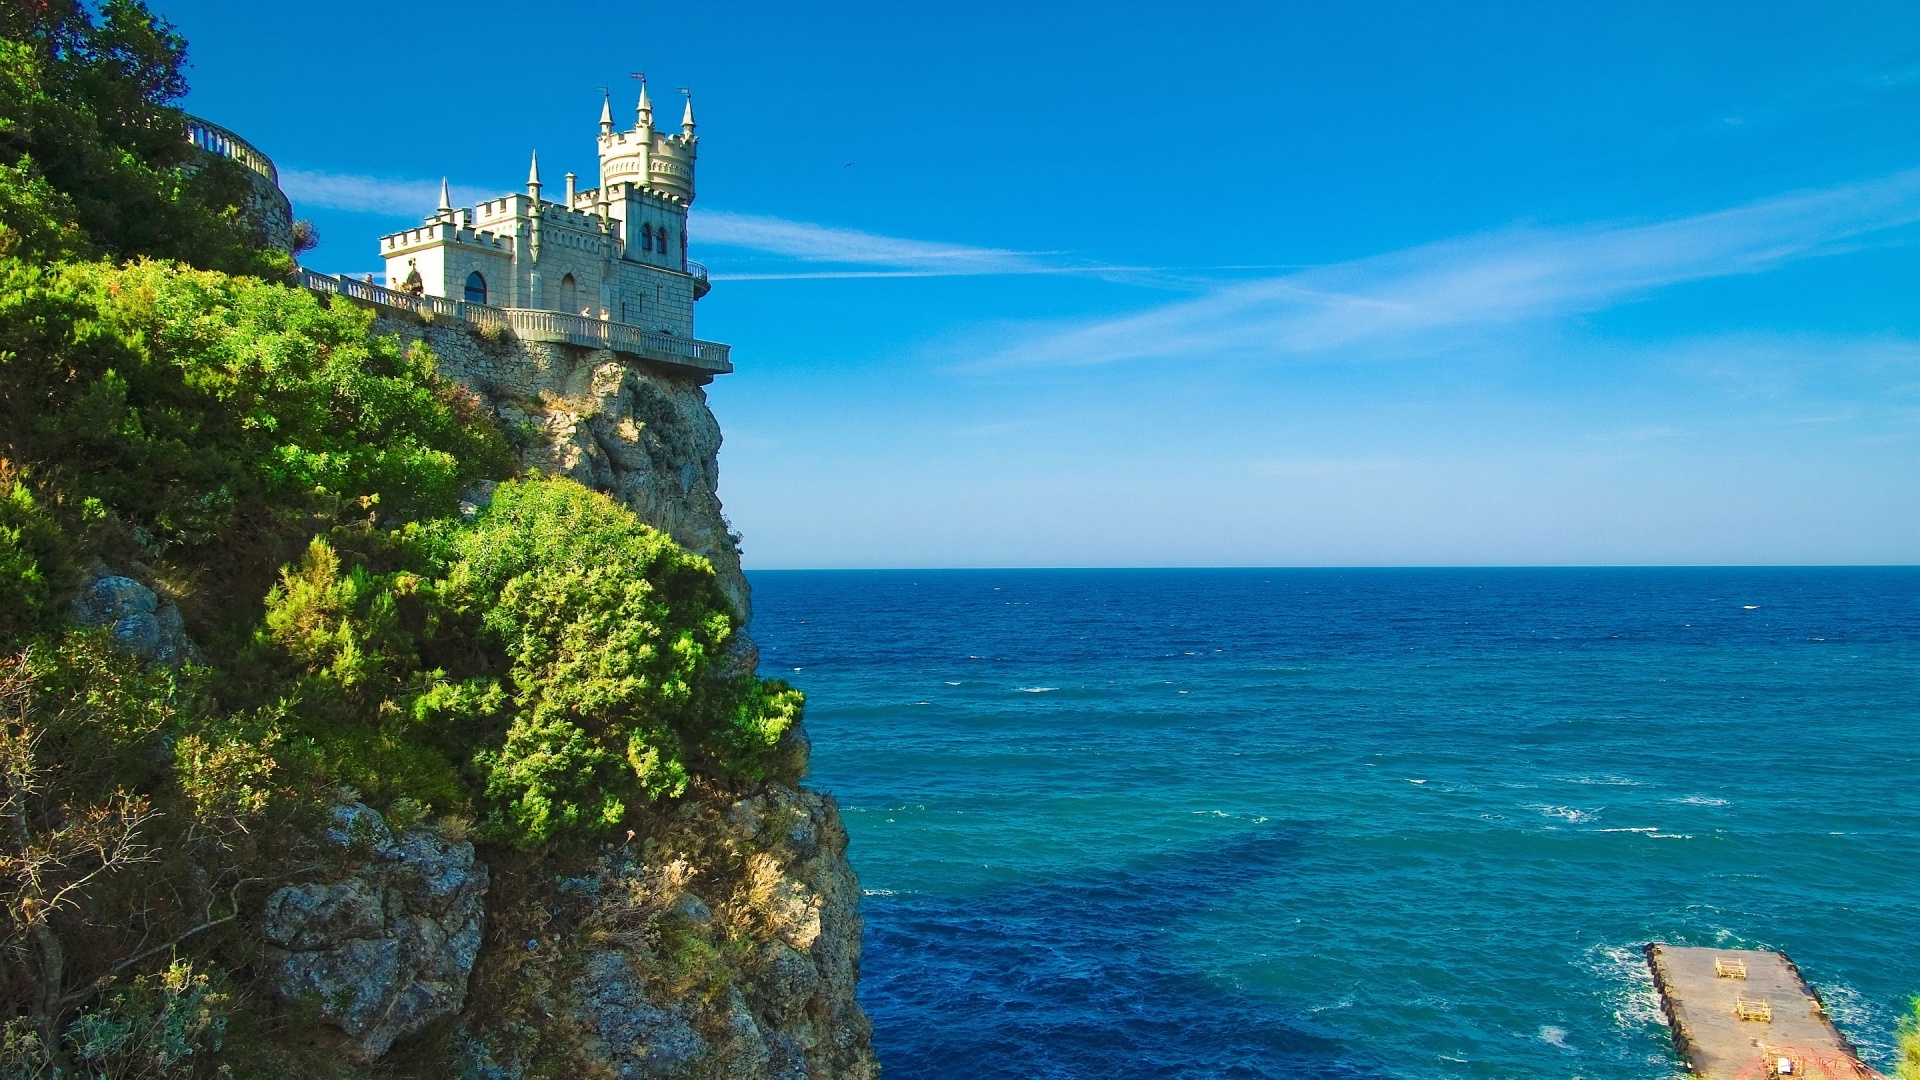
{"points": [[647, 176], [616, 252]]}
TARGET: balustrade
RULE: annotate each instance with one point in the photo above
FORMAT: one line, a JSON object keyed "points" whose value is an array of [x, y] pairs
{"points": [[536, 324]]}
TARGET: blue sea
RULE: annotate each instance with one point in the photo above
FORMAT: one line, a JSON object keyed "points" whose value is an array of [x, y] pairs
{"points": [[1355, 823]]}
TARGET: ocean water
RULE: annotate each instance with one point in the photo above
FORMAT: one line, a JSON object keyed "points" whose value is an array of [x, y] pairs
{"points": [[1355, 823]]}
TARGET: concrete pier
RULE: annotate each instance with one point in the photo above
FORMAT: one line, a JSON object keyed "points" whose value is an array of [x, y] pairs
{"points": [[1743, 1014]]}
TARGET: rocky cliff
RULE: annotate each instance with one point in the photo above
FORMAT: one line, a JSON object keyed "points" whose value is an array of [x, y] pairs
{"points": [[721, 939]]}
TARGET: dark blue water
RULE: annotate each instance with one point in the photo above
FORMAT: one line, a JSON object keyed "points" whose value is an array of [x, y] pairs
{"points": [[1374, 823]]}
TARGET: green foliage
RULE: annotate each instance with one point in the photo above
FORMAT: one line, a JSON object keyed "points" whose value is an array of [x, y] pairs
{"points": [[92, 154], [197, 407], [575, 672], [1907, 1067], [150, 1026], [101, 714], [609, 629], [34, 560]]}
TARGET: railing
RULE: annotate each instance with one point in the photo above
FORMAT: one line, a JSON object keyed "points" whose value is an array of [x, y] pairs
{"points": [[534, 324], [215, 139], [698, 272]]}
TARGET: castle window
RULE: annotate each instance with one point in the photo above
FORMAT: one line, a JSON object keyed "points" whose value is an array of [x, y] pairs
{"points": [[646, 238], [663, 240], [476, 288], [569, 294]]}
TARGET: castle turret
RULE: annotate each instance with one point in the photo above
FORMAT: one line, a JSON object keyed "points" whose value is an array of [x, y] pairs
{"points": [[616, 251]]}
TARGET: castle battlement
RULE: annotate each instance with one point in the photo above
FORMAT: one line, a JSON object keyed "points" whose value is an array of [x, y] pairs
{"points": [[615, 252]]}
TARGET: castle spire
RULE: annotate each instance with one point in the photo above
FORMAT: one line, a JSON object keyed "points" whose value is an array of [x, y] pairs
{"points": [[606, 114], [446, 197], [686, 118], [645, 111], [533, 176]]}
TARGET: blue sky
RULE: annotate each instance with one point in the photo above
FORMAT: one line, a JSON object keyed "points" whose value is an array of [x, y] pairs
{"points": [[1112, 284]]}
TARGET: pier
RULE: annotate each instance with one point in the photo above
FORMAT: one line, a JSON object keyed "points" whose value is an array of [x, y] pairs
{"points": [[1744, 1014]]}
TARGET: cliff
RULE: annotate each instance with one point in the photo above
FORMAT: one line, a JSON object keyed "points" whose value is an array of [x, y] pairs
{"points": [[722, 939]]}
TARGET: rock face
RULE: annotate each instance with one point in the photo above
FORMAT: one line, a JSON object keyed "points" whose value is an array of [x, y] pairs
{"points": [[639, 432], [721, 940], [724, 945], [141, 623], [383, 944]]}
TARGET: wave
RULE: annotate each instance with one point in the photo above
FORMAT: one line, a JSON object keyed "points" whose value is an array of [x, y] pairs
{"points": [[1036, 689], [1569, 813]]}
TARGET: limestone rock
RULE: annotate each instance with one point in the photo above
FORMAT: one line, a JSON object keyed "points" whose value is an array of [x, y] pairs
{"points": [[635, 1037], [141, 623], [385, 944]]}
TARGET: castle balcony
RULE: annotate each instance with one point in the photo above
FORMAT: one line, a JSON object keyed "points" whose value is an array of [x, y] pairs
{"points": [[701, 286], [214, 139], [533, 324]]}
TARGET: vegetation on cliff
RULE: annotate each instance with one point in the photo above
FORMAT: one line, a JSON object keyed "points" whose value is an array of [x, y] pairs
{"points": [[91, 148], [1908, 1065], [539, 669]]}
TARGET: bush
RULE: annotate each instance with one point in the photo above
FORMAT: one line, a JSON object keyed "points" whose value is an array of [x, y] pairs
{"points": [[1908, 1065], [33, 560], [202, 410], [579, 670]]}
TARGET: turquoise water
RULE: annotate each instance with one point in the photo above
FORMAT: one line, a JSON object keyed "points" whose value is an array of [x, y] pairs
{"points": [[1382, 823]]}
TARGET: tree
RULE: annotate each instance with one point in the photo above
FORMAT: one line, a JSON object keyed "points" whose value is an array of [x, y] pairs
{"points": [[91, 147]]}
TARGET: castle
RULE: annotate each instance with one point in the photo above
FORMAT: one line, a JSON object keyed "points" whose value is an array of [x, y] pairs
{"points": [[616, 252]]}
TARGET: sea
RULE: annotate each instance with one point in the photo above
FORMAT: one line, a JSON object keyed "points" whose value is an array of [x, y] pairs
{"points": [[1380, 823]]}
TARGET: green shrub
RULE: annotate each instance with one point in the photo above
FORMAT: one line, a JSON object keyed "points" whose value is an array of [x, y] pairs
{"points": [[577, 672], [34, 561], [1907, 1067], [151, 1025], [197, 407]]}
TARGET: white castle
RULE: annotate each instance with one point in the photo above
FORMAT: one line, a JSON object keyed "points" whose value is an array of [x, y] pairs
{"points": [[616, 252]]}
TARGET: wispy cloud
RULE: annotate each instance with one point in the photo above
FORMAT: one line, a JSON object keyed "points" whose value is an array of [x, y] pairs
{"points": [[851, 253], [371, 194], [1424, 296], [812, 243]]}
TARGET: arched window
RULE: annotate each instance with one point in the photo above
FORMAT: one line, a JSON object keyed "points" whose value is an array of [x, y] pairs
{"points": [[683, 249], [663, 240], [569, 295], [476, 288], [646, 238]]}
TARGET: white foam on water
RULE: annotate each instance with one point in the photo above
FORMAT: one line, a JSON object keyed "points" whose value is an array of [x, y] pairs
{"points": [[1649, 830], [1856, 1014], [1569, 813], [1603, 781], [1623, 968], [1035, 689], [1699, 800], [1554, 1036]]}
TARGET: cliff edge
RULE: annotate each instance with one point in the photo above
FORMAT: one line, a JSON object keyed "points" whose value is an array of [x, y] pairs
{"points": [[722, 939]]}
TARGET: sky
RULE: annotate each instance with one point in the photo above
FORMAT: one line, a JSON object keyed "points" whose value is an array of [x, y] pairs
{"points": [[1271, 284]]}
